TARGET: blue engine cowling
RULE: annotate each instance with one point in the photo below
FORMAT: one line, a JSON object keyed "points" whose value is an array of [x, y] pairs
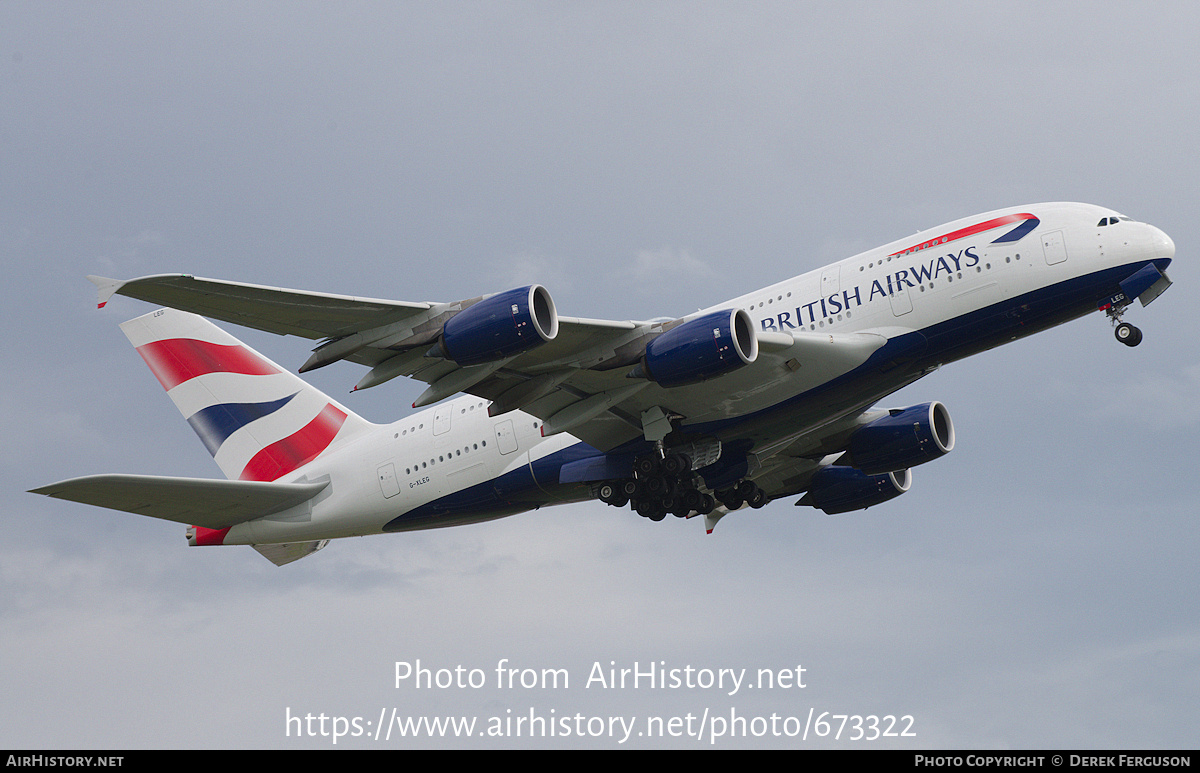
{"points": [[501, 325], [839, 489], [904, 438], [703, 348]]}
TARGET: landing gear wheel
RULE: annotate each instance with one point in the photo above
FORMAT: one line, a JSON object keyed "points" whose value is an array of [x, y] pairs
{"points": [[1128, 334], [676, 465], [646, 467]]}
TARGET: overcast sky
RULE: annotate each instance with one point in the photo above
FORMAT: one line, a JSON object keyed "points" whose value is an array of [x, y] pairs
{"points": [[1036, 588]]}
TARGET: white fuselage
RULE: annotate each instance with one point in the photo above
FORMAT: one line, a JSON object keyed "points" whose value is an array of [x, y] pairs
{"points": [[955, 286]]}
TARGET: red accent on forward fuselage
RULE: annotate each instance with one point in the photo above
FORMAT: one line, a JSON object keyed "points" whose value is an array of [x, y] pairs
{"points": [[963, 233]]}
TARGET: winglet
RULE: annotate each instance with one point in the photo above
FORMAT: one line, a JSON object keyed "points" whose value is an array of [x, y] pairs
{"points": [[105, 288]]}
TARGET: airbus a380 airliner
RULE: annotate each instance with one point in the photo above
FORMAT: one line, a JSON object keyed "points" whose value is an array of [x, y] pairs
{"points": [[765, 396]]}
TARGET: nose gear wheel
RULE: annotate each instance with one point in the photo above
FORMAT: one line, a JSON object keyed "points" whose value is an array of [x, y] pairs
{"points": [[1128, 334], [1123, 331]]}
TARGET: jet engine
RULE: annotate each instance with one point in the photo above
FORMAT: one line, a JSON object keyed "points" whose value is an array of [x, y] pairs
{"points": [[700, 349], [501, 325], [838, 489], [904, 438]]}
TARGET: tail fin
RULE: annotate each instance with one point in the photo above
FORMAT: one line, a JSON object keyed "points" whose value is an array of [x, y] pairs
{"points": [[259, 421]]}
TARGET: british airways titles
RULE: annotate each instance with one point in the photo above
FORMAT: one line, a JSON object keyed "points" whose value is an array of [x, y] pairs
{"points": [[836, 303]]}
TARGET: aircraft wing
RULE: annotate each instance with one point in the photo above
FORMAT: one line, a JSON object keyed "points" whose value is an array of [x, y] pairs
{"points": [[578, 381], [211, 503], [786, 364], [273, 309]]}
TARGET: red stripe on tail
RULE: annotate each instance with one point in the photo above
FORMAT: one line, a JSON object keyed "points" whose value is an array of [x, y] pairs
{"points": [[176, 360], [284, 456]]}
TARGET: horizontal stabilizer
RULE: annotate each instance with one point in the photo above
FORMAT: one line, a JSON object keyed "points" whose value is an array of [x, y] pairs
{"points": [[213, 504]]}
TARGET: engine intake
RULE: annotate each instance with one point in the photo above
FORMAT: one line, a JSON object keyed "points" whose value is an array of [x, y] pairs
{"points": [[501, 325], [838, 489], [703, 348], [903, 439]]}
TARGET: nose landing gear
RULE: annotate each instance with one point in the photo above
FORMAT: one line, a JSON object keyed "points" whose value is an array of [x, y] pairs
{"points": [[1124, 332], [1128, 334]]}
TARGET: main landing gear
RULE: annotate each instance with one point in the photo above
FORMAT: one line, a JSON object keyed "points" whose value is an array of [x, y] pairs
{"points": [[668, 485]]}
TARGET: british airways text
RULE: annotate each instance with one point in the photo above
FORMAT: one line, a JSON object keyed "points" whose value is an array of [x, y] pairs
{"points": [[847, 299]]}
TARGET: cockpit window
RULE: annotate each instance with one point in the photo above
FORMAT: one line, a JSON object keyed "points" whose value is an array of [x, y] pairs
{"points": [[1113, 220]]}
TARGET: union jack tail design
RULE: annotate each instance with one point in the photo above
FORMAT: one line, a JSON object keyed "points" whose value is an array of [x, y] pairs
{"points": [[259, 421]]}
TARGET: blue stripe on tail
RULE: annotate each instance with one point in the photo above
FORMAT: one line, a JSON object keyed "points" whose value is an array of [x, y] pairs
{"points": [[217, 422]]}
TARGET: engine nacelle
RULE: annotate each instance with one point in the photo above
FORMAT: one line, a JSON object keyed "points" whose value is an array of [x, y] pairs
{"points": [[903, 439], [700, 349], [839, 489], [501, 325]]}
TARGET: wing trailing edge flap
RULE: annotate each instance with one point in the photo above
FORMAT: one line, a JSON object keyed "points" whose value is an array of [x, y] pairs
{"points": [[207, 502]]}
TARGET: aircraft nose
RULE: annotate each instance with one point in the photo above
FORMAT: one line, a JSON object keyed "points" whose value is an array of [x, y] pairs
{"points": [[1164, 246]]}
